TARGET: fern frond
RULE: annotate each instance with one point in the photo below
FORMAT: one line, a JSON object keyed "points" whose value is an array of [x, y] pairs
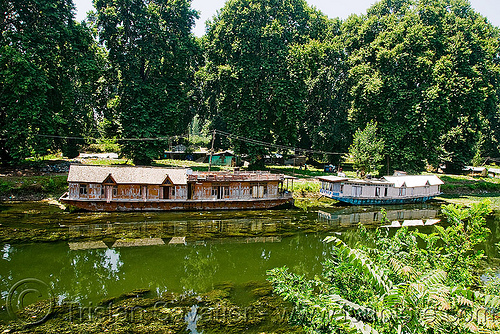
{"points": [[314, 310], [339, 300], [433, 277], [491, 301], [485, 300], [443, 303], [361, 327], [395, 296], [361, 262]]}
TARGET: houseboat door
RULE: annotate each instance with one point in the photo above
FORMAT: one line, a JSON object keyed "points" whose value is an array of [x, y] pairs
{"points": [[108, 193], [166, 192]]}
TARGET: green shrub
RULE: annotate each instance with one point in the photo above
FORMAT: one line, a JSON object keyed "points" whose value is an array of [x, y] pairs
{"points": [[4, 187], [409, 282]]}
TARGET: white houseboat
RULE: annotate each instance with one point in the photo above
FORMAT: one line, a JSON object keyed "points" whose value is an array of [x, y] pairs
{"points": [[121, 188], [387, 190]]}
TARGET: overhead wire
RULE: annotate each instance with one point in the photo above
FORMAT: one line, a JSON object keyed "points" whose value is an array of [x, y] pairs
{"points": [[219, 132], [270, 145], [115, 139]]}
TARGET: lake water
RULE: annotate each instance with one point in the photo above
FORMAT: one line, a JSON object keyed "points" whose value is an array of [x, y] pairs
{"points": [[104, 255]]}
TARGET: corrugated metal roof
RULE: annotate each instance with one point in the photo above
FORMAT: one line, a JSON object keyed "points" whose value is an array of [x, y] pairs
{"points": [[414, 180], [126, 175]]}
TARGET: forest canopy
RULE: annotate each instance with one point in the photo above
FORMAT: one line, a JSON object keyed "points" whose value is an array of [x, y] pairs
{"points": [[425, 71]]}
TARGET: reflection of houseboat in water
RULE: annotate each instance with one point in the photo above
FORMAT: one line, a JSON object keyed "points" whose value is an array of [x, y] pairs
{"points": [[172, 232], [116, 188], [422, 216], [387, 190]]}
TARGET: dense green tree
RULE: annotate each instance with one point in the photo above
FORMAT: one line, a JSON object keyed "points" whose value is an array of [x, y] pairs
{"points": [[48, 68], [248, 87], [367, 149], [321, 69], [154, 54], [425, 71]]}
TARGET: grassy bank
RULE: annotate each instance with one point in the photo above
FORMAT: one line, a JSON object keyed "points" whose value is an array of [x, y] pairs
{"points": [[30, 184], [306, 195], [32, 187], [464, 190], [459, 184]]}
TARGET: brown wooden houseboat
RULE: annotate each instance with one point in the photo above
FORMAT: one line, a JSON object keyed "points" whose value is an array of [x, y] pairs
{"points": [[120, 188]]}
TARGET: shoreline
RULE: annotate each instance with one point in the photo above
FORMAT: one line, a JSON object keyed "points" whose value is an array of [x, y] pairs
{"points": [[457, 189]]}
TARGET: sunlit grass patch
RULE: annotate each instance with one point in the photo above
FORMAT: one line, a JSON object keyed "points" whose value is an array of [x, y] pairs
{"points": [[15, 185], [467, 199]]}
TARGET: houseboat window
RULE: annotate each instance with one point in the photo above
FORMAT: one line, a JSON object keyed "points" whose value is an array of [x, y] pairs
{"points": [[377, 192], [341, 188], [214, 191], [385, 192], [402, 191], [265, 190], [115, 190], [357, 191], [83, 189], [226, 191], [173, 191], [102, 190]]}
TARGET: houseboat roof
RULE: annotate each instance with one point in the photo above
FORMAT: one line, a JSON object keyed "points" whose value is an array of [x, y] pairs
{"points": [[331, 178], [398, 181], [158, 175], [414, 180], [226, 176], [126, 174]]}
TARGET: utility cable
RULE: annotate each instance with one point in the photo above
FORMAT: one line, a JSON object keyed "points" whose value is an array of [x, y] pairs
{"points": [[115, 139], [266, 144], [220, 132]]}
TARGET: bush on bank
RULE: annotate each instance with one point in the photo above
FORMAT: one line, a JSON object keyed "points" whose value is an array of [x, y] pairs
{"points": [[407, 283]]}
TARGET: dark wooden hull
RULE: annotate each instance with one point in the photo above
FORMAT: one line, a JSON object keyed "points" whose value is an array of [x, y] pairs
{"points": [[179, 205]]}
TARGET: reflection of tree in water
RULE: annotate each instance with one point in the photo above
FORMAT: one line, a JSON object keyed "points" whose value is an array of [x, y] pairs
{"points": [[6, 280], [73, 275], [112, 262], [308, 253], [91, 272], [200, 267], [490, 246], [18, 262]]}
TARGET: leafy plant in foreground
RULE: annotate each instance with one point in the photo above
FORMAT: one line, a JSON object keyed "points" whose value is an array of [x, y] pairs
{"points": [[408, 283]]}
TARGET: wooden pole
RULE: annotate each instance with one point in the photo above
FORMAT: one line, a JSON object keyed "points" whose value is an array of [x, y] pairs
{"points": [[211, 152]]}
